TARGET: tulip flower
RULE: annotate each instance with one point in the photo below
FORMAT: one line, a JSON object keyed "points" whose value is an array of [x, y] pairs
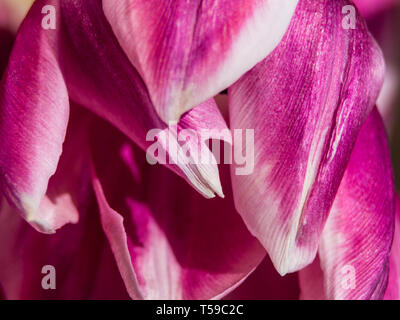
{"points": [[86, 83]]}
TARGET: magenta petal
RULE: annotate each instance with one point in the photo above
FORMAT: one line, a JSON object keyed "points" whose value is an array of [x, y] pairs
{"points": [[393, 287], [117, 93], [71, 183], [356, 241], [188, 51], [369, 8], [169, 242], [84, 264], [306, 103], [34, 112]]}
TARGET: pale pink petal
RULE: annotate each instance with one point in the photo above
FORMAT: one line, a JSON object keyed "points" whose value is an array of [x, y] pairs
{"points": [[356, 241], [306, 103], [169, 241], [188, 51]]}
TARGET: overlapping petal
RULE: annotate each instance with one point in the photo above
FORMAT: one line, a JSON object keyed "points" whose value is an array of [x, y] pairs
{"points": [[84, 265], [33, 117], [369, 8], [188, 51], [169, 241], [49, 66], [355, 244], [117, 93], [306, 103]]}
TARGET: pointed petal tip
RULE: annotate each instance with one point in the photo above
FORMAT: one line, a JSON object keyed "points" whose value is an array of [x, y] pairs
{"points": [[355, 245], [28, 207], [216, 43], [288, 264], [211, 180], [48, 216], [40, 226], [28, 210], [214, 183]]}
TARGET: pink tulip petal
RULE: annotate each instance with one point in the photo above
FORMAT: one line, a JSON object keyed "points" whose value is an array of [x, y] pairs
{"points": [[306, 103], [170, 243], [33, 118], [393, 288], [188, 51], [356, 241]]}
